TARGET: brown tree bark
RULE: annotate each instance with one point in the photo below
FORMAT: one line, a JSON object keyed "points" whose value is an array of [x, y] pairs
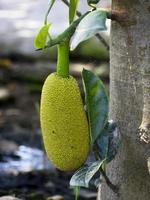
{"points": [[130, 101]]}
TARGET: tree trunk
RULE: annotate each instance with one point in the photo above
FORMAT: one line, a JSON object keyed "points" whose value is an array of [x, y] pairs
{"points": [[130, 101]]}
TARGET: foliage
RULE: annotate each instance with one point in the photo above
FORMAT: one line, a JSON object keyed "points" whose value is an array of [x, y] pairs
{"points": [[64, 36], [96, 20], [96, 103], [109, 142], [40, 39], [80, 29], [105, 136], [84, 175]]}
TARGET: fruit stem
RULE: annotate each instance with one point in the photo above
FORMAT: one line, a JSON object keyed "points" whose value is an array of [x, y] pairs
{"points": [[63, 59]]}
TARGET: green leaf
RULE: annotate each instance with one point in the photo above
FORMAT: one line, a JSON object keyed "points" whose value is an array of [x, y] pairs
{"points": [[72, 10], [96, 103], [88, 27], [85, 174], [40, 39], [66, 35], [109, 142]]}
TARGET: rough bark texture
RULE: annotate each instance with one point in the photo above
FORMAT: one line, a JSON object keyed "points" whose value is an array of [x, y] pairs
{"points": [[129, 94]]}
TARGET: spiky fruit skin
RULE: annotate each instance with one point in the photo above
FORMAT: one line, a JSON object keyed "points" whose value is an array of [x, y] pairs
{"points": [[64, 123]]}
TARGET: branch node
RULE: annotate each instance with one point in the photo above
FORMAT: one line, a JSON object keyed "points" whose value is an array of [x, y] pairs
{"points": [[118, 15]]}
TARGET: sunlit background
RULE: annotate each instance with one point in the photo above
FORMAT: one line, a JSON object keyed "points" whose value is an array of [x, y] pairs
{"points": [[24, 169]]}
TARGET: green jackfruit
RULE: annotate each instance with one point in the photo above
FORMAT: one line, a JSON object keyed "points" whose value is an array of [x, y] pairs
{"points": [[64, 123]]}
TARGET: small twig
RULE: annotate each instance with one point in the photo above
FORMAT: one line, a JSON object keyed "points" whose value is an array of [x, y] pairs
{"points": [[102, 40], [108, 182], [113, 187], [98, 36]]}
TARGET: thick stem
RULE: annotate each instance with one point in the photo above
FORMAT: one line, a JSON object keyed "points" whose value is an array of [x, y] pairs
{"points": [[63, 60]]}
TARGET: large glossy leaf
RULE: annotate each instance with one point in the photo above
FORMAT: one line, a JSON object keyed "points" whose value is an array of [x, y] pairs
{"points": [[84, 175], [96, 103], [72, 10], [88, 27], [109, 142], [40, 39]]}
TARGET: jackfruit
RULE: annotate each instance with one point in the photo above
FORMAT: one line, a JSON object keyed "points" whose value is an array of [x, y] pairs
{"points": [[63, 122]]}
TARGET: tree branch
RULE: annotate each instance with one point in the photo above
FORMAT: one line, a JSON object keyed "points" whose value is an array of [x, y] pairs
{"points": [[113, 187], [118, 15], [98, 36]]}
